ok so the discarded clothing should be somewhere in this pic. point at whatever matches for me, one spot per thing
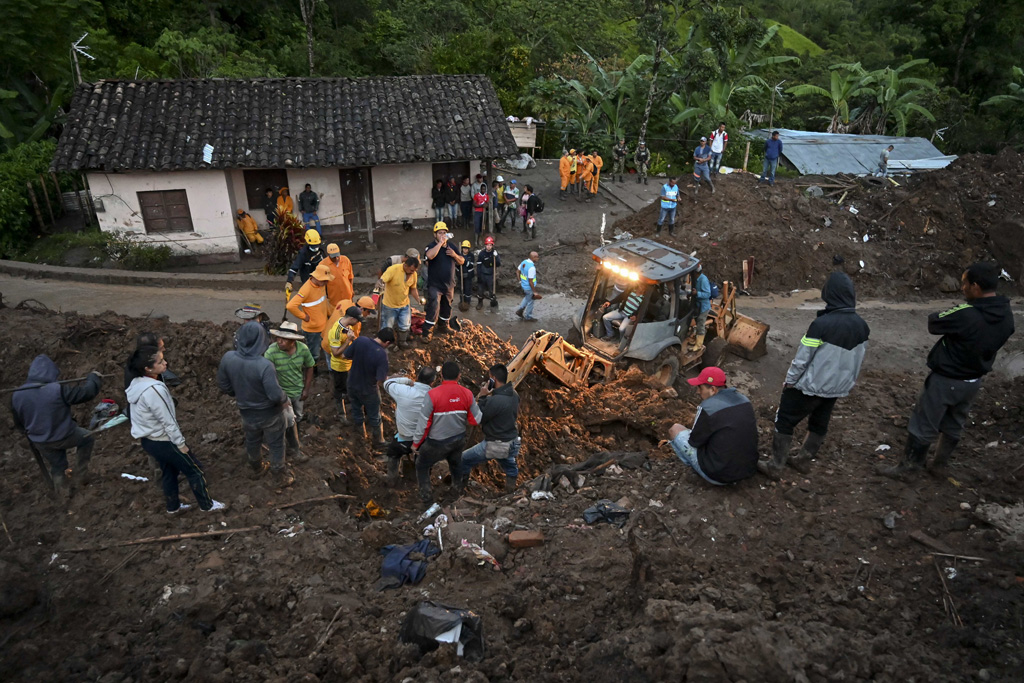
(398, 569)
(606, 511)
(431, 623)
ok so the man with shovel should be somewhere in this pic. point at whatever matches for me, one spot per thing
(42, 410)
(487, 264)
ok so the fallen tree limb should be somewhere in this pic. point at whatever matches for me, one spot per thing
(322, 499)
(161, 539)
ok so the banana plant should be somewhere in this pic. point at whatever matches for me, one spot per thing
(1014, 97)
(27, 117)
(603, 102)
(895, 97)
(846, 82)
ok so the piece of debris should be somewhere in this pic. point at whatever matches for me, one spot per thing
(133, 477)
(431, 623)
(542, 495)
(525, 539)
(606, 511)
(889, 520)
(883, 447)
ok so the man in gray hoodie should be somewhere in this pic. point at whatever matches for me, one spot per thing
(252, 380)
(824, 370)
(42, 410)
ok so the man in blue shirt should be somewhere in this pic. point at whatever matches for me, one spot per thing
(441, 258)
(528, 281)
(669, 199)
(772, 152)
(702, 294)
(701, 169)
(369, 370)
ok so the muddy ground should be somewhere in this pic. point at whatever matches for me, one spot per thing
(795, 581)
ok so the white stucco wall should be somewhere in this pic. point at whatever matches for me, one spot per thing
(209, 203)
(325, 181)
(401, 191)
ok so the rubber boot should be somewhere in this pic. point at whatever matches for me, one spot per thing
(638, 180)
(562, 195)
(61, 489)
(510, 483)
(621, 180)
(657, 228)
(426, 494)
(479, 303)
(672, 229)
(393, 464)
(801, 462)
(943, 450)
(645, 181)
(379, 444)
(282, 477)
(80, 475)
(712, 186)
(402, 339)
(781, 444)
(441, 327)
(914, 455)
(698, 343)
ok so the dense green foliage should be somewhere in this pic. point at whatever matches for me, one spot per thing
(591, 68)
(18, 167)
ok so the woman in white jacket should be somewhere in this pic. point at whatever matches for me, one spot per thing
(154, 422)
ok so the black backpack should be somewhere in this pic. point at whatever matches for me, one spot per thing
(538, 203)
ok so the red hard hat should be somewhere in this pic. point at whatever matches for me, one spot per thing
(488, 240)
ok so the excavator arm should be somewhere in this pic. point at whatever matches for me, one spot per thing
(549, 352)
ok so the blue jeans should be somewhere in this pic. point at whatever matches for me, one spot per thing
(396, 318)
(365, 401)
(768, 169)
(453, 214)
(313, 340)
(688, 454)
(475, 456)
(438, 214)
(312, 220)
(527, 303)
(701, 171)
(172, 461)
(716, 161)
(670, 214)
(478, 222)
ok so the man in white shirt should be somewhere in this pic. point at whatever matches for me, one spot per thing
(719, 141)
(408, 397)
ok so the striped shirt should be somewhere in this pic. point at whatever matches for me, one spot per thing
(290, 367)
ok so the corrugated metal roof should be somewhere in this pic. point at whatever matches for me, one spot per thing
(831, 153)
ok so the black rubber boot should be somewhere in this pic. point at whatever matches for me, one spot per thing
(479, 304)
(638, 180)
(393, 464)
(645, 181)
(914, 455)
(510, 483)
(781, 444)
(944, 448)
(801, 462)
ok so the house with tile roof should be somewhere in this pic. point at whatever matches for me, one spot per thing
(171, 161)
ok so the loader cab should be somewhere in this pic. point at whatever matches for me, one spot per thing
(646, 269)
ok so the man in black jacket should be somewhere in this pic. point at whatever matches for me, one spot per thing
(722, 446)
(499, 403)
(825, 369)
(42, 410)
(972, 334)
(309, 206)
(306, 261)
(270, 207)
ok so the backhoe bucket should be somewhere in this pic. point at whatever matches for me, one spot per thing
(748, 338)
(569, 365)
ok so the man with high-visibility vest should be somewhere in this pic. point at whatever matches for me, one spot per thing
(528, 281)
(311, 307)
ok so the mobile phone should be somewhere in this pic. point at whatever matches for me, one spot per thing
(490, 384)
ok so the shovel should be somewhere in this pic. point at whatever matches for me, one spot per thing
(463, 304)
(494, 281)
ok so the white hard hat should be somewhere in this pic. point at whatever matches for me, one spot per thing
(500, 179)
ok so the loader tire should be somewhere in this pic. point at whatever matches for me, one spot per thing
(665, 367)
(574, 337)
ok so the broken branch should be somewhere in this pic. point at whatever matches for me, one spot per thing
(336, 496)
(161, 539)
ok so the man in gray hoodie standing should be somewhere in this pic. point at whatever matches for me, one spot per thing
(252, 380)
(825, 369)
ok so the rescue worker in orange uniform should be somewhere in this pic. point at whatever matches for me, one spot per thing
(564, 171)
(248, 226)
(340, 288)
(285, 204)
(586, 174)
(598, 162)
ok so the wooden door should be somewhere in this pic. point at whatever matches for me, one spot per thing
(357, 197)
(165, 211)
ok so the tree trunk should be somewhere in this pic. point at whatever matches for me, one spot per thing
(308, 9)
(655, 66)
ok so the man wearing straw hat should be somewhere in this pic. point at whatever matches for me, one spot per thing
(294, 365)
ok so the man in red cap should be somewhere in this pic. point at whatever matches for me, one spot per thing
(722, 446)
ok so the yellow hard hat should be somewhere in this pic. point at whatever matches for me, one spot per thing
(333, 249)
(366, 302)
(440, 225)
(466, 244)
(312, 237)
(572, 151)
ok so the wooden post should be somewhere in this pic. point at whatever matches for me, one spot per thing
(35, 204)
(46, 196)
(60, 198)
(81, 203)
(746, 157)
(368, 203)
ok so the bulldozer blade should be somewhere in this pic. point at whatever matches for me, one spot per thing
(569, 365)
(748, 338)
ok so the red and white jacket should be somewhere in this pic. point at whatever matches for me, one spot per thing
(447, 412)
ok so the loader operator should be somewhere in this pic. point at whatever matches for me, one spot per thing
(622, 306)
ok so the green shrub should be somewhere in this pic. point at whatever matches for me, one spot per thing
(134, 254)
(18, 166)
(96, 249)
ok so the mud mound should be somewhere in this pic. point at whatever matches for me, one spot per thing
(920, 235)
(798, 580)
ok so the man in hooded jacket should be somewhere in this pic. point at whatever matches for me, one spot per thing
(972, 334)
(42, 409)
(252, 380)
(824, 370)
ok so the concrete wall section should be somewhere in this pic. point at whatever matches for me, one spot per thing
(402, 191)
(325, 181)
(209, 204)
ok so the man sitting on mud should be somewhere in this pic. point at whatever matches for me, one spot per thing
(441, 430)
(972, 334)
(722, 446)
(825, 369)
(409, 397)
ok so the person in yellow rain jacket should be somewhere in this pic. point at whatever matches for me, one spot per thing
(598, 162)
(285, 204)
(311, 307)
(248, 226)
(340, 288)
(586, 174)
(564, 165)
